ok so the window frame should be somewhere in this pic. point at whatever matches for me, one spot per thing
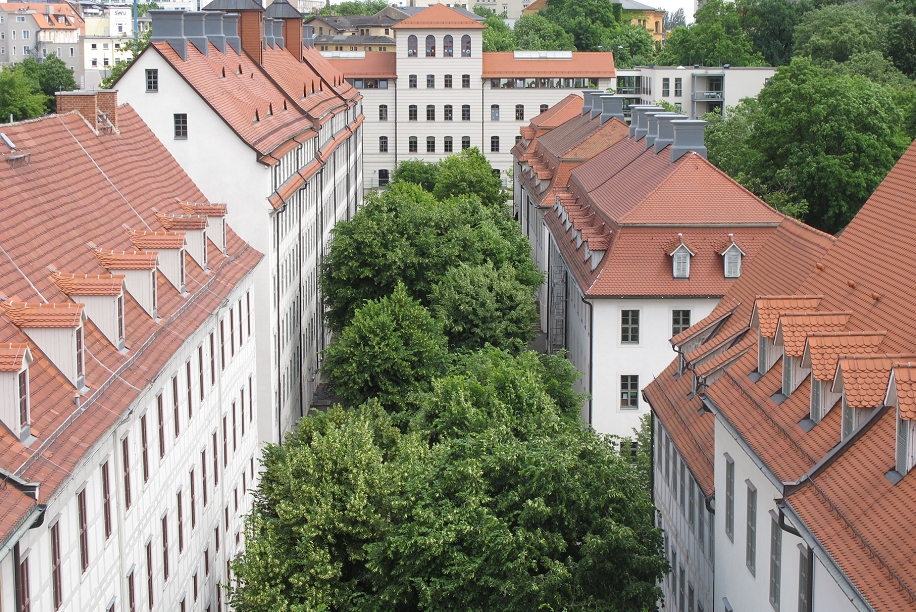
(494, 112)
(629, 326)
(629, 385)
(775, 562)
(730, 498)
(494, 144)
(152, 80)
(519, 112)
(680, 321)
(430, 112)
(412, 144)
(180, 125)
(750, 548)
(383, 112)
(382, 144)
(430, 144)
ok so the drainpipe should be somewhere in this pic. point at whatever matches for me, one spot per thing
(279, 350)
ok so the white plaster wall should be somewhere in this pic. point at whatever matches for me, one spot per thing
(828, 596)
(59, 346)
(612, 358)
(103, 312)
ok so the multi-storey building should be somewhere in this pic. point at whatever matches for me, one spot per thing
(791, 407)
(128, 385)
(636, 242)
(447, 95)
(108, 29)
(695, 90)
(260, 120)
(39, 29)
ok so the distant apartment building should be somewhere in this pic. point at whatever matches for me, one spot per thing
(39, 29)
(694, 90)
(128, 386)
(108, 29)
(260, 120)
(439, 93)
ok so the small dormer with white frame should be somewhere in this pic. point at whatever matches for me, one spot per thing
(732, 257)
(216, 220)
(103, 298)
(680, 259)
(139, 269)
(58, 330)
(792, 331)
(15, 400)
(765, 317)
(195, 234)
(171, 248)
(901, 396)
(821, 355)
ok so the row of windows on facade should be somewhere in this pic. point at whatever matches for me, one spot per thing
(26, 35)
(448, 144)
(545, 83)
(352, 48)
(104, 46)
(27, 50)
(447, 46)
(681, 256)
(238, 417)
(431, 81)
(448, 112)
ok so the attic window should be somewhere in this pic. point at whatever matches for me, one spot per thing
(732, 260)
(80, 369)
(680, 259)
(848, 418)
(256, 117)
(239, 71)
(223, 73)
(787, 387)
(270, 110)
(24, 407)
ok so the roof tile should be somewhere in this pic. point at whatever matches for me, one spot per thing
(39, 315)
(89, 284)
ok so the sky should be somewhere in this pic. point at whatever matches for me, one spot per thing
(673, 5)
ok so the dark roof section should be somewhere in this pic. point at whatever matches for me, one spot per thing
(233, 5)
(281, 9)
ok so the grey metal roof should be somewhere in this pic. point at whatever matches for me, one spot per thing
(632, 5)
(353, 40)
(413, 10)
(233, 6)
(281, 9)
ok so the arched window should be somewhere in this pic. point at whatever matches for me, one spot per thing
(465, 142)
(411, 46)
(430, 46)
(466, 46)
(447, 46)
(412, 112)
(383, 112)
(412, 144)
(544, 108)
(448, 144)
(382, 144)
(494, 144)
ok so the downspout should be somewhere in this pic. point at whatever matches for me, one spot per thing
(395, 128)
(279, 339)
(299, 308)
(591, 356)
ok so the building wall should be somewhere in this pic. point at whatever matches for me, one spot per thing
(113, 558)
(613, 358)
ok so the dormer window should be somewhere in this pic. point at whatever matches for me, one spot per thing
(787, 387)
(762, 357)
(121, 333)
(15, 406)
(849, 419)
(815, 408)
(103, 298)
(80, 372)
(680, 261)
(732, 259)
(24, 416)
(904, 454)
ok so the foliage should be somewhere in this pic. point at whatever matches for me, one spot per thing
(589, 21)
(478, 304)
(715, 39)
(354, 7)
(668, 106)
(498, 36)
(136, 47)
(537, 33)
(632, 45)
(469, 173)
(392, 347)
(770, 25)
(900, 44)
(838, 32)
(51, 74)
(20, 95)
(417, 171)
(674, 20)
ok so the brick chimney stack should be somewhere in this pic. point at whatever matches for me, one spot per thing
(91, 104)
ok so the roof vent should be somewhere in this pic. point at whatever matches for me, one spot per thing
(642, 121)
(308, 36)
(612, 107)
(168, 26)
(688, 136)
(278, 33)
(213, 28)
(586, 101)
(231, 31)
(268, 33)
(635, 111)
(665, 130)
(194, 31)
(652, 120)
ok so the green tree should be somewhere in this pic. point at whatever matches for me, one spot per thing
(632, 45)
(354, 7)
(136, 47)
(900, 43)
(498, 36)
(838, 32)
(537, 33)
(675, 20)
(729, 137)
(715, 39)
(52, 75)
(20, 96)
(391, 348)
(469, 173)
(590, 22)
(478, 304)
(417, 171)
(770, 24)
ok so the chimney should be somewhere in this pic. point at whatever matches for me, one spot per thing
(666, 130)
(231, 31)
(251, 31)
(278, 33)
(308, 36)
(586, 101)
(213, 28)
(106, 101)
(268, 33)
(168, 26)
(642, 123)
(292, 27)
(635, 110)
(688, 136)
(652, 130)
(91, 104)
(612, 106)
(194, 30)
(597, 104)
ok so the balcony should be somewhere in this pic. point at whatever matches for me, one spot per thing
(708, 96)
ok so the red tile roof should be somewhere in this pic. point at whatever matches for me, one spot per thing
(203, 208)
(89, 284)
(583, 64)
(11, 355)
(376, 65)
(794, 328)
(559, 113)
(40, 315)
(768, 309)
(182, 222)
(438, 17)
(905, 381)
(864, 377)
(126, 260)
(158, 240)
(823, 350)
(54, 203)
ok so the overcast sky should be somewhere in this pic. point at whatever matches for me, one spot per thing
(673, 5)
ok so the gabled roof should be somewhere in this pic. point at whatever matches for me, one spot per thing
(904, 381)
(126, 260)
(89, 284)
(765, 315)
(439, 17)
(160, 240)
(182, 222)
(12, 355)
(793, 329)
(823, 350)
(376, 64)
(203, 208)
(504, 64)
(279, 9)
(559, 113)
(42, 315)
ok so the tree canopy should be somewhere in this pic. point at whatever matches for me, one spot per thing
(20, 96)
(537, 33)
(354, 7)
(51, 75)
(716, 38)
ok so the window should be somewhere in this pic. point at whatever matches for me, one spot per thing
(680, 320)
(187, 368)
(494, 144)
(203, 474)
(165, 547)
(848, 419)
(232, 331)
(430, 144)
(465, 112)
(175, 412)
(23, 380)
(804, 580)
(412, 112)
(730, 498)
(465, 142)
(212, 359)
(465, 46)
(815, 412)
(382, 144)
(762, 359)
(629, 391)
(125, 467)
(57, 586)
(691, 597)
(519, 112)
(544, 107)
(680, 261)
(194, 584)
(678, 90)
(383, 178)
(383, 112)
(701, 516)
(447, 111)
(667, 458)
(629, 326)
(751, 548)
(144, 448)
(242, 410)
(225, 441)
(84, 529)
(200, 369)
(682, 583)
(222, 344)
(412, 81)
(24, 591)
(466, 81)
(666, 87)
(149, 574)
(430, 46)
(106, 499)
(412, 46)
(215, 462)
(180, 511)
(247, 313)
(430, 112)
(447, 144)
(193, 500)
(152, 79)
(691, 504)
(234, 430)
(683, 484)
(775, 561)
(786, 375)
(903, 435)
(79, 353)
(494, 112)
(448, 77)
(447, 51)
(181, 125)
(733, 262)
